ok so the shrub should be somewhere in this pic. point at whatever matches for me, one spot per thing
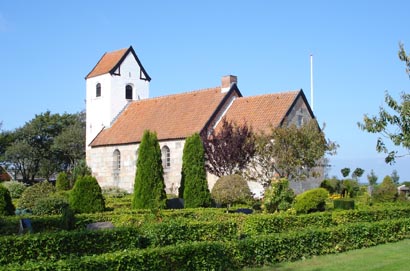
(350, 188)
(311, 201)
(278, 197)
(331, 185)
(386, 192)
(86, 196)
(62, 182)
(194, 186)
(80, 170)
(231, 189)
(33, 193)
(15, 188)
(52, 205)
(6, 206)
(149, 186)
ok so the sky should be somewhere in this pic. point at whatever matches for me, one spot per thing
(48, 47)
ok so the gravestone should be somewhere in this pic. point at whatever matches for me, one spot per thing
(100, 226)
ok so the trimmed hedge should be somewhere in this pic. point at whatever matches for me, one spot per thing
(256, 251)
(64, 245)
(344, 204)
(247, 224)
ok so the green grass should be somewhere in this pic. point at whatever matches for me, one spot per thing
(386, 257)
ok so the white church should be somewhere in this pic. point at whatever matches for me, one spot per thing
(119, 110)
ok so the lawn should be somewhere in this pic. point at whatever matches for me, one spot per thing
(386, 257)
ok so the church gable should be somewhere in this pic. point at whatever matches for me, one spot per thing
(111, 63)
(264, 112)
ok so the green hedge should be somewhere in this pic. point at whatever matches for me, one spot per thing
(247, 224)
(255, 251)
(177, 232)
(61, 245)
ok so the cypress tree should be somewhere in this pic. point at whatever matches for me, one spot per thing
(194, 186)
(149, 186)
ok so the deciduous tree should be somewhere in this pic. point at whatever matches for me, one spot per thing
(372, 178)
(290, 152)
(393, 123)
(228, 150)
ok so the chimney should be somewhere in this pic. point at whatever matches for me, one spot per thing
(227, 81)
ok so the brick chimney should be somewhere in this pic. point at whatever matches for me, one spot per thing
(227, 80)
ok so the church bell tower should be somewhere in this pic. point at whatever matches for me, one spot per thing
(116, 80)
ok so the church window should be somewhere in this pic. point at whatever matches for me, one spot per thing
(116, 161)
(128, 92)
(98, 90)
(166, 157)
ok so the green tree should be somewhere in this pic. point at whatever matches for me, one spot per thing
(386, 192)
(357, 173)
(292, 152)
(69, 144)
(31, 149)
(393, 124)
(149, 186)
(194, 186)
(278, 197)
(372, 178)
(86, 196)
(395, 177)
(345, 172)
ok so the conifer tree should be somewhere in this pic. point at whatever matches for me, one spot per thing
(194, 186)
(149, 186)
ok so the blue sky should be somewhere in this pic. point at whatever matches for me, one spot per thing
(48, 47)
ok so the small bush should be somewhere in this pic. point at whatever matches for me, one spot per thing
(62, 182)
(6, 206)
(311, 201)
(33, 193)
(278, 197)
(86, 196)
(52, 205)
(15, 188)
(231, 189)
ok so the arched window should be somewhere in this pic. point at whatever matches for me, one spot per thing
(128, 92)
(116, 161)
(98, 90)
(166, 157)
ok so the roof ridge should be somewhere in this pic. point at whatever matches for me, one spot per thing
(179, 94)
(271, 94)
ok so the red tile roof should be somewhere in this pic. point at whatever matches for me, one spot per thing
(172, 117)
(262, 112)
(107, 62)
